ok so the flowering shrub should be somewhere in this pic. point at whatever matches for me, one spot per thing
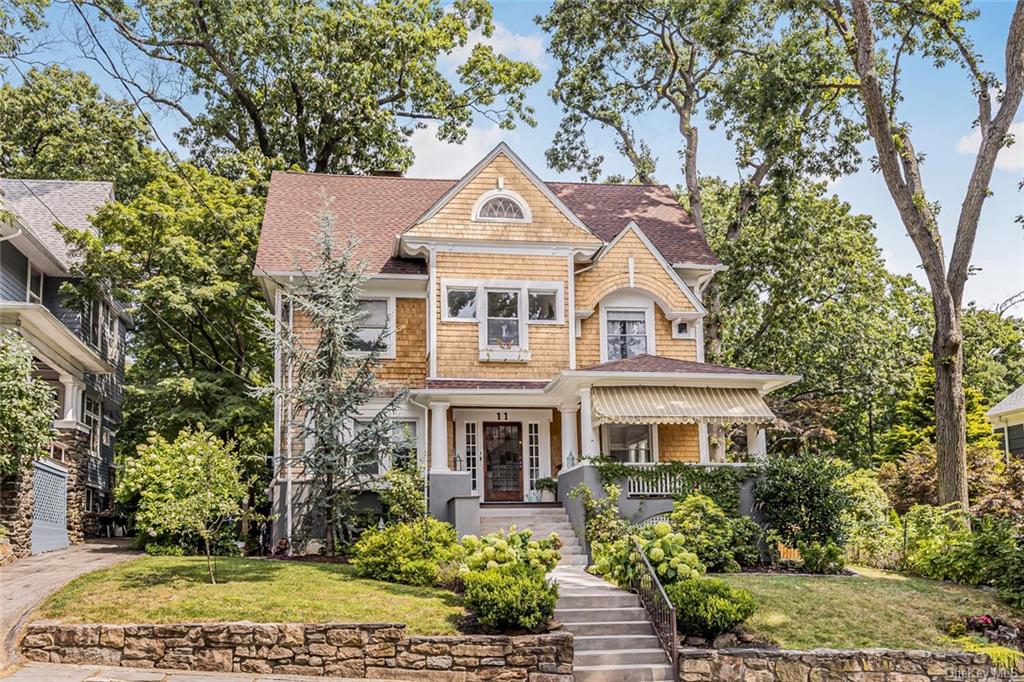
(516, 548)
(666, 551)
(602, 523)
(723, 543)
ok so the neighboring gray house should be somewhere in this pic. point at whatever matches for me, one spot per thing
(79, 351)
(1007, 419)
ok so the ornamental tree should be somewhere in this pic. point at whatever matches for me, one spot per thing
(339, 450)
(188, 486)
(26, 405)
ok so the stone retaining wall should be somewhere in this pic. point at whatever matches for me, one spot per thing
(829, 665)
(346, 650)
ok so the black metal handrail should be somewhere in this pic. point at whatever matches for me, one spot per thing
(658, 606)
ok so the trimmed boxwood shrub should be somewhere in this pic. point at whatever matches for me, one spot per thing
(407, 553)
(709, 606)
(511, 597)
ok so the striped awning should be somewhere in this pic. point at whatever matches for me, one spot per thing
(678, 405)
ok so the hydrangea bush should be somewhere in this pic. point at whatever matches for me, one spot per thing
(517, 547)
(620, 563)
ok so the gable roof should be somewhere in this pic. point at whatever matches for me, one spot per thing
(1011, 403)
(375, 210)
(41, 203)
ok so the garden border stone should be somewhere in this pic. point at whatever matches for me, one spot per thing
(370, 650)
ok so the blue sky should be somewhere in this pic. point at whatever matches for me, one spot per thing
(938, 104)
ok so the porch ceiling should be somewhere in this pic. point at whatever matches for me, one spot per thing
(678, 405)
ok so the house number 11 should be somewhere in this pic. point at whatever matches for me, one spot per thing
(501, 417)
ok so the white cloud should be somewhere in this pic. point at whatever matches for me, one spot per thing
(437, 159)
(529, 48)
(1010, 159)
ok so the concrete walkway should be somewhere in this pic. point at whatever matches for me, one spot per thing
(25, 583)
(49, 672)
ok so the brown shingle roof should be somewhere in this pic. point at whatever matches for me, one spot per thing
(375, 209)
(656, 363)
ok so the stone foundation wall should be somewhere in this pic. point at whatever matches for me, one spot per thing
(828, 665)
(77, 444)
(16, 512)
(346, 650)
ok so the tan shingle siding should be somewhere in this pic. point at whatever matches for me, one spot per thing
(454, 219)
(612, 272)
(678, 443)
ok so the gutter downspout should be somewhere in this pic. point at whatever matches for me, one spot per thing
(426, 455)
(1006, 440)
(17, 233)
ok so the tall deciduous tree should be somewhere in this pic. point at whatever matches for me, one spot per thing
(180, 256)
(58, 124)
(876, 35)
(769, 77)
(331, 367)
(17, 17)
(334, 86)
(807, 292)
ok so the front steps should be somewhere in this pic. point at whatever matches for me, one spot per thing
(542, 519)
(614, 640)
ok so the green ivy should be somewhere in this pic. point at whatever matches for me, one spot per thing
(721, 484)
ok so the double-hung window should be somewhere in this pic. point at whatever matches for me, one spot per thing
(626, 333)
(92, 414)
(543, 306)
(34, 285)
(503, 319)
(373, 333)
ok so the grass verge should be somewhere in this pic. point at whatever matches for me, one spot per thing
(177, 590)
(872, 609)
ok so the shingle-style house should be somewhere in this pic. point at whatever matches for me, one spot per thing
(79, 352)
(1007, 417)
(532, 322)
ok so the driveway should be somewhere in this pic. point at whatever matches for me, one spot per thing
(25, 583)
(48, 672)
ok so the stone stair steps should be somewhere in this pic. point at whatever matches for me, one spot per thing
(655, 656)
(568, 600)
(623, 673)
(603, 614)
(622, 628)
(613, 642)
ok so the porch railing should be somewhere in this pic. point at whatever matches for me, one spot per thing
(658, 606)
(665, 484)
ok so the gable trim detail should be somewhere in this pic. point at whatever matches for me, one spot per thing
(632, 226)
(503, 148)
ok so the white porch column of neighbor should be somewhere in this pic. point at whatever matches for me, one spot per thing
(72, 406)
(568, 412)
(588, 434)
(757, 445)
(439, 436)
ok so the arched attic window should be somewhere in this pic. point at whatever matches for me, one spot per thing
(504, 206)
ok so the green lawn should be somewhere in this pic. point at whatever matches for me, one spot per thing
(176, 590)
(873, 609)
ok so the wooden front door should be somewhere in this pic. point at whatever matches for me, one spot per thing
(503, 455)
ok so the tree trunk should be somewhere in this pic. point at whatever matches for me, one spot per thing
(209, 561)
(950, 422)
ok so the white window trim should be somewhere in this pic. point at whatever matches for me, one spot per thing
(691, 326)
(389, 351)
(523, 288)
(648, 309)
(28, 284)
(543, 417)
(505, 194)
(655, 449)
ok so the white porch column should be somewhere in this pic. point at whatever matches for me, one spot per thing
(569, 440)
(757, 446)
(703, 444)
(72, 407)
(439, 436)
(588, 434)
